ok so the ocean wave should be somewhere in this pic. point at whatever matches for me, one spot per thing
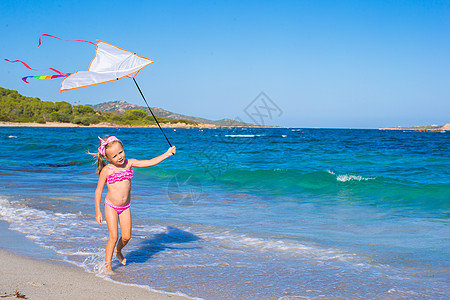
(288, 181)
(230, 239)
(350, 177)
(48, 229)
(316, 185)
(288, 247)
(277, 182)
(213, 236)
(242, 135)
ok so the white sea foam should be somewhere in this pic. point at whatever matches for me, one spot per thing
(95, 262)
(349, 177)
(12, 137)
(153, 229)
(82, 252)
(67, 214)
(242, 135)
(60, 232)
(236, 240)
(47, 228)
(400, 294)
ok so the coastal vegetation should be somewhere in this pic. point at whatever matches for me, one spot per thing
(15, 107)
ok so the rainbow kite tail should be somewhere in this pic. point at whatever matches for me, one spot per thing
(44, 77)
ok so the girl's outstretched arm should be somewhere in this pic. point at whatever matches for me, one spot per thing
(154, 161)
(98, 195)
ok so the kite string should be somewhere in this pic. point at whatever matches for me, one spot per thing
(152, 112)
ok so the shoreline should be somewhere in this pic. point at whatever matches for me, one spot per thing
(428, 128)
(111, 125)
(38, 273)
(37, 279)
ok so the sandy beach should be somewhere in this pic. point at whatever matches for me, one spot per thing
(45, 280)
(104, 125)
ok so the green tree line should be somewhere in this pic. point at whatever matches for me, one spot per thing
(17, 108)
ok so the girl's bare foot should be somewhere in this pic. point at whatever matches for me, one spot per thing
(108, 269)
(120, 257)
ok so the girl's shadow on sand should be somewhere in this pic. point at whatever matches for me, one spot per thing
(159, 243)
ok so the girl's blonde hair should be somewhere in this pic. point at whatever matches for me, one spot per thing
(100, 158)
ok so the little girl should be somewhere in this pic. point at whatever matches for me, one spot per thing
(117, 175)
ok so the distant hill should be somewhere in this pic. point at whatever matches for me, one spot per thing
(16, 108)
(122, 106)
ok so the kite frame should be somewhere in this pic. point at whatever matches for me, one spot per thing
(135, 73)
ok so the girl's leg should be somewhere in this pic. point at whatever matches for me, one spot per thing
(125, 227)
(112, 218)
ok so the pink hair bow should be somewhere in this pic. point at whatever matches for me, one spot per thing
(103, 144)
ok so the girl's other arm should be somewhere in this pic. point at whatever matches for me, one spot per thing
(154, 161)
(98, 195)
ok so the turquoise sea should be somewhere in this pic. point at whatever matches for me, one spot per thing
(247, 213)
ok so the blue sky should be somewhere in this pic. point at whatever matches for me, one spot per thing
(343, 64)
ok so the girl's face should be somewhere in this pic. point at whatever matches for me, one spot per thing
(115, 154)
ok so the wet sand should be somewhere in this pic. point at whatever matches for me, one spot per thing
(37, 279)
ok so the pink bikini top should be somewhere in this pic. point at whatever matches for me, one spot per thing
(119, 176)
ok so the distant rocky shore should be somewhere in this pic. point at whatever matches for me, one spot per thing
(428, 128)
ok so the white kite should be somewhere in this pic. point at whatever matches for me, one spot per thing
(110, 63)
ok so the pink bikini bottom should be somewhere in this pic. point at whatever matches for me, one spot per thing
(118, 209)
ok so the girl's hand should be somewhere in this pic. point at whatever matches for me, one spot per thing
(99, 218)
(172, 150)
